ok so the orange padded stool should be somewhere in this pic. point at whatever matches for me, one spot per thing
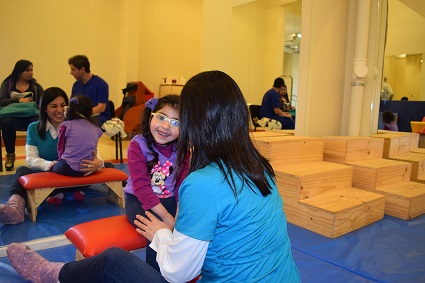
(40, 185)
(93, 237)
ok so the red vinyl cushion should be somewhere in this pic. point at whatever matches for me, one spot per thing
(53, 180)
(93, 237)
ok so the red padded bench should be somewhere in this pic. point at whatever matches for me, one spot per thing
(40, 185)
(93, 237)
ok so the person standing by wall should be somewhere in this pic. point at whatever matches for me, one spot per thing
(387, 91)
(19, 87)
(90, 85)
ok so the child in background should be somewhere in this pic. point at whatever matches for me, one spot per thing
(152, 163)
(77, 140)
(388, 118)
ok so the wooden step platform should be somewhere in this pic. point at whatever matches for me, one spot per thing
(396, 144)
(268, 134)
(369, 174)
(290, 149)
(418, 164)
(337, 212)
(405, 201)
(318, 196)
(346, 149)
(390, 177)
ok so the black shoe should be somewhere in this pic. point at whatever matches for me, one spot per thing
(10, 161)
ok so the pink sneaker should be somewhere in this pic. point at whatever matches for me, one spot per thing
(56, 200)
(79, 196)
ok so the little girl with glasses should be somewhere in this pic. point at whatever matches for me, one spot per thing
(152, 163)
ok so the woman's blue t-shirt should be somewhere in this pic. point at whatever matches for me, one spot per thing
(248, 236)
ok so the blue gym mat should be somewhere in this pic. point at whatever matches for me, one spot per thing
(390, 250)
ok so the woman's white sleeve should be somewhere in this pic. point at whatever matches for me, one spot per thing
(180, 257)
(34, 160)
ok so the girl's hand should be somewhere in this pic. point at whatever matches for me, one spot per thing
(149, 226)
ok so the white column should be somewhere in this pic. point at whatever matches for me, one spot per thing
(360, 69)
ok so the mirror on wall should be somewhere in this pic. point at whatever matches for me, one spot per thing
(292, 49)
(403, 62)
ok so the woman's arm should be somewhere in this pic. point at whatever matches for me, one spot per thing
(91, 166)
(5, 95)
(34, 160)
(180, 257)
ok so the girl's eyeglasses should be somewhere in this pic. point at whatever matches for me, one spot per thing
(162, 118)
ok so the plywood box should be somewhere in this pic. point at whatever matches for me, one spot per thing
(394, 144)
(290, 149)
(313, 178)
(369, 174)
(263, 134)
(414, 137)
(343, 149)
(337, 212)
(404, 201)
(418, 164)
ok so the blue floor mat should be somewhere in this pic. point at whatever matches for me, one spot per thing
(390, 250)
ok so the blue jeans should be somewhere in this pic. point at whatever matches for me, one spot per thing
(15, 186)
(63, 168)
(133, 207)
(113, 265)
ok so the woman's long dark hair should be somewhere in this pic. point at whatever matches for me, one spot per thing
(20, 67)
(172, 101)
(214, 127)
(47, 97)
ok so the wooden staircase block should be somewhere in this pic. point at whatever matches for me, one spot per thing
(369, 174)
(337, 212)
(290, 149)
(404, 201)
(263, 134)
(312, 178)
(346, 149)
(395, 144)
(318, 196)
(418, 164)
(414, 137)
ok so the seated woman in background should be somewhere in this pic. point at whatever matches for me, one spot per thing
(388, 118)
(19, 87)
(41, 153)
(286, 103)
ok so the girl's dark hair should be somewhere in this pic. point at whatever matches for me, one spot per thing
(388, 116)
(80, 107)
(214, 127)
(171, 100)
(47, 97)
